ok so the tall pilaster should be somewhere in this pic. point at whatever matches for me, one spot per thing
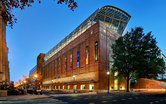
(4, 63)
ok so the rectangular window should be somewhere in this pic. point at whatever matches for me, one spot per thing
(78, 56)
(87, 54)
(91, 87)
(68, 87)
(82, 87)
(59, 87)
(110, 51)
(65, 63)
(71, 60)
(63, 87)
(71, 57)
(75, 87)
(96, 50)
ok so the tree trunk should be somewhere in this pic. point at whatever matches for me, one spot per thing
(128, 82)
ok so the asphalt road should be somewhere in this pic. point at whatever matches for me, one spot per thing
(116, 98)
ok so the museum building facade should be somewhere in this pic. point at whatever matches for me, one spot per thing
(80, 62)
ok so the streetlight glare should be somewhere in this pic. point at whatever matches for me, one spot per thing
(35, 75)
(108, 73)
(25, 81)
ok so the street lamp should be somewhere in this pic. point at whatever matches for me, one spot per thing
(35, 81)
(52, 85)
(24, 83)
(73, 83)
(108, 76)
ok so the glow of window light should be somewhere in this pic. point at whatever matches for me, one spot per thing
(25, 81)
(74, 76)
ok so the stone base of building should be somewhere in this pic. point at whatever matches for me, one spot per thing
(3, 93)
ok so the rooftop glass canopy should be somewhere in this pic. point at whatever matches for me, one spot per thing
(113, 17)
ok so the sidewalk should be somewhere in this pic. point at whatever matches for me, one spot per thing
(30, 99)
(23, 97)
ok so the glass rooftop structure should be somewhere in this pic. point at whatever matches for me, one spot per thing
(113, 17)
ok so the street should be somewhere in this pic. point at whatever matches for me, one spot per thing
(116, 98)
(112, 98)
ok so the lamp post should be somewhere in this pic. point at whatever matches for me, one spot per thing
(52, 85)
(73, 83)
(108, 76)
(35, 81)
(24, 83)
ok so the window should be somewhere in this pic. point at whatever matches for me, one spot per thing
(55, 62)
(82, 87)
(87, 54)
(68, 87)
(59, 87)
(110, 51)
(71, 57)
(71, 66)
(55, 69)
(65, 63)
(91, 87)
(59, 67)
(55, 87)
(55, 73)
(59, 72)
(63, 87)
(75, 87)
(78, 56)
(96, 50)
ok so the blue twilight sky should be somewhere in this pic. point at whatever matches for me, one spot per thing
(42, 26)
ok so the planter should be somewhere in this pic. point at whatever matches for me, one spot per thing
(3, 93)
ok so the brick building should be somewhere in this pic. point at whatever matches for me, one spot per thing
(80, 61)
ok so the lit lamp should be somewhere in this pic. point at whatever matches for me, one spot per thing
(35, 75)
(24, 83)
(35, 81)
(108, 76)
(73, 83)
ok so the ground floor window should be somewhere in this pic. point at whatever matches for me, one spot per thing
(68, 87)
(55, 87)
(91, 87)
(59, 87)
(75, 87)
(82, 87)
(63, 87)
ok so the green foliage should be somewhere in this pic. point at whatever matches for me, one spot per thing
(137, 55)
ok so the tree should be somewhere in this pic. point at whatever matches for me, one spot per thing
(7, 7)
(136, 54)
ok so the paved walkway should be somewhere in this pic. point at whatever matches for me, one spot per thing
(30, 99)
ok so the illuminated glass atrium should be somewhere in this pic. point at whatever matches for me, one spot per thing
(113, 17)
